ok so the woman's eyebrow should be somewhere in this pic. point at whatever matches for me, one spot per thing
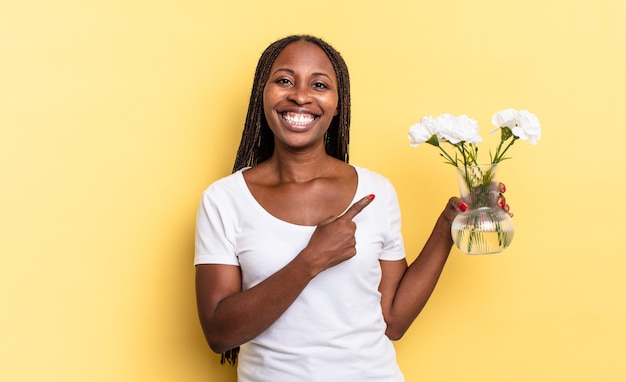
(291, 71)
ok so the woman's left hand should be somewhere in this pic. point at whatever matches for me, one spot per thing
(454, 207)
(457, 205)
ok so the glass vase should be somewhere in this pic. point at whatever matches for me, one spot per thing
(484, 228)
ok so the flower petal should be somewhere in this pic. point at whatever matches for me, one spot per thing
(458, 129)
(422, 132)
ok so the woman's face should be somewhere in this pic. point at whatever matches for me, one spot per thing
(300, 97)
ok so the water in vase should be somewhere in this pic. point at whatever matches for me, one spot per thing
(475, 242)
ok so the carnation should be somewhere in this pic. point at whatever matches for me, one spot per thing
(422, 131)
(458, 129)
(461, 133)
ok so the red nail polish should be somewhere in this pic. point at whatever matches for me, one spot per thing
(463, 207)
(371, 196)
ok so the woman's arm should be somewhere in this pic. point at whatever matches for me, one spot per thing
(230, 316)
(405, 290)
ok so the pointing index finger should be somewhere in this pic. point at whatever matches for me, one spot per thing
(357, 207)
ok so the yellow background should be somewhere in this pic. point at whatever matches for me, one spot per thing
(115, 115)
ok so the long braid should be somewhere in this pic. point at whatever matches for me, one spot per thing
(257, 140)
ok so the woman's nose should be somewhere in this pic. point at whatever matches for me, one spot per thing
(300, 94)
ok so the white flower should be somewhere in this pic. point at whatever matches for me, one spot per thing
(462, 134)
(528, 127)
(523, 124)
(505, 118)
(458, 129)
(422, 131)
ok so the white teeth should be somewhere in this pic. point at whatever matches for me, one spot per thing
(298, 119)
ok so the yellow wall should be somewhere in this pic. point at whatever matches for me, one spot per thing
(115, 115)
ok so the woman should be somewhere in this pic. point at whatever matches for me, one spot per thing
(299, 255)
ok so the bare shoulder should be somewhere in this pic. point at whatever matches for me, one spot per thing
(259, 174)
(345, 170)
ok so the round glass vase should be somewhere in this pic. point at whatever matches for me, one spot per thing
(484, 228)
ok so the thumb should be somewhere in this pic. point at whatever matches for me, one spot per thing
(357, 207)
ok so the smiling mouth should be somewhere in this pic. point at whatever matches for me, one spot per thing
(298, 119)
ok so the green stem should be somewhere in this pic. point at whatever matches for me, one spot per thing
(448, 157)
(498, 157)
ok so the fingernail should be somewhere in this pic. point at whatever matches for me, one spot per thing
(463, 207)
(501, 202)
(371, 196)
(502, 187)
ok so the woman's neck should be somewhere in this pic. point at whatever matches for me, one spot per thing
(301, 167)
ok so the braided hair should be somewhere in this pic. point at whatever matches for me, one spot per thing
(257, 140)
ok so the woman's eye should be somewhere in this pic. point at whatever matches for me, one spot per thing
(283, 81)
(319, 85)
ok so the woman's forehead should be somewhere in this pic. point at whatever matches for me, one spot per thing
(304, 55)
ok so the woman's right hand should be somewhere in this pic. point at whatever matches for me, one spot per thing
(333, 240)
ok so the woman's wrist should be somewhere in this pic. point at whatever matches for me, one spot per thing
(443, 228)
